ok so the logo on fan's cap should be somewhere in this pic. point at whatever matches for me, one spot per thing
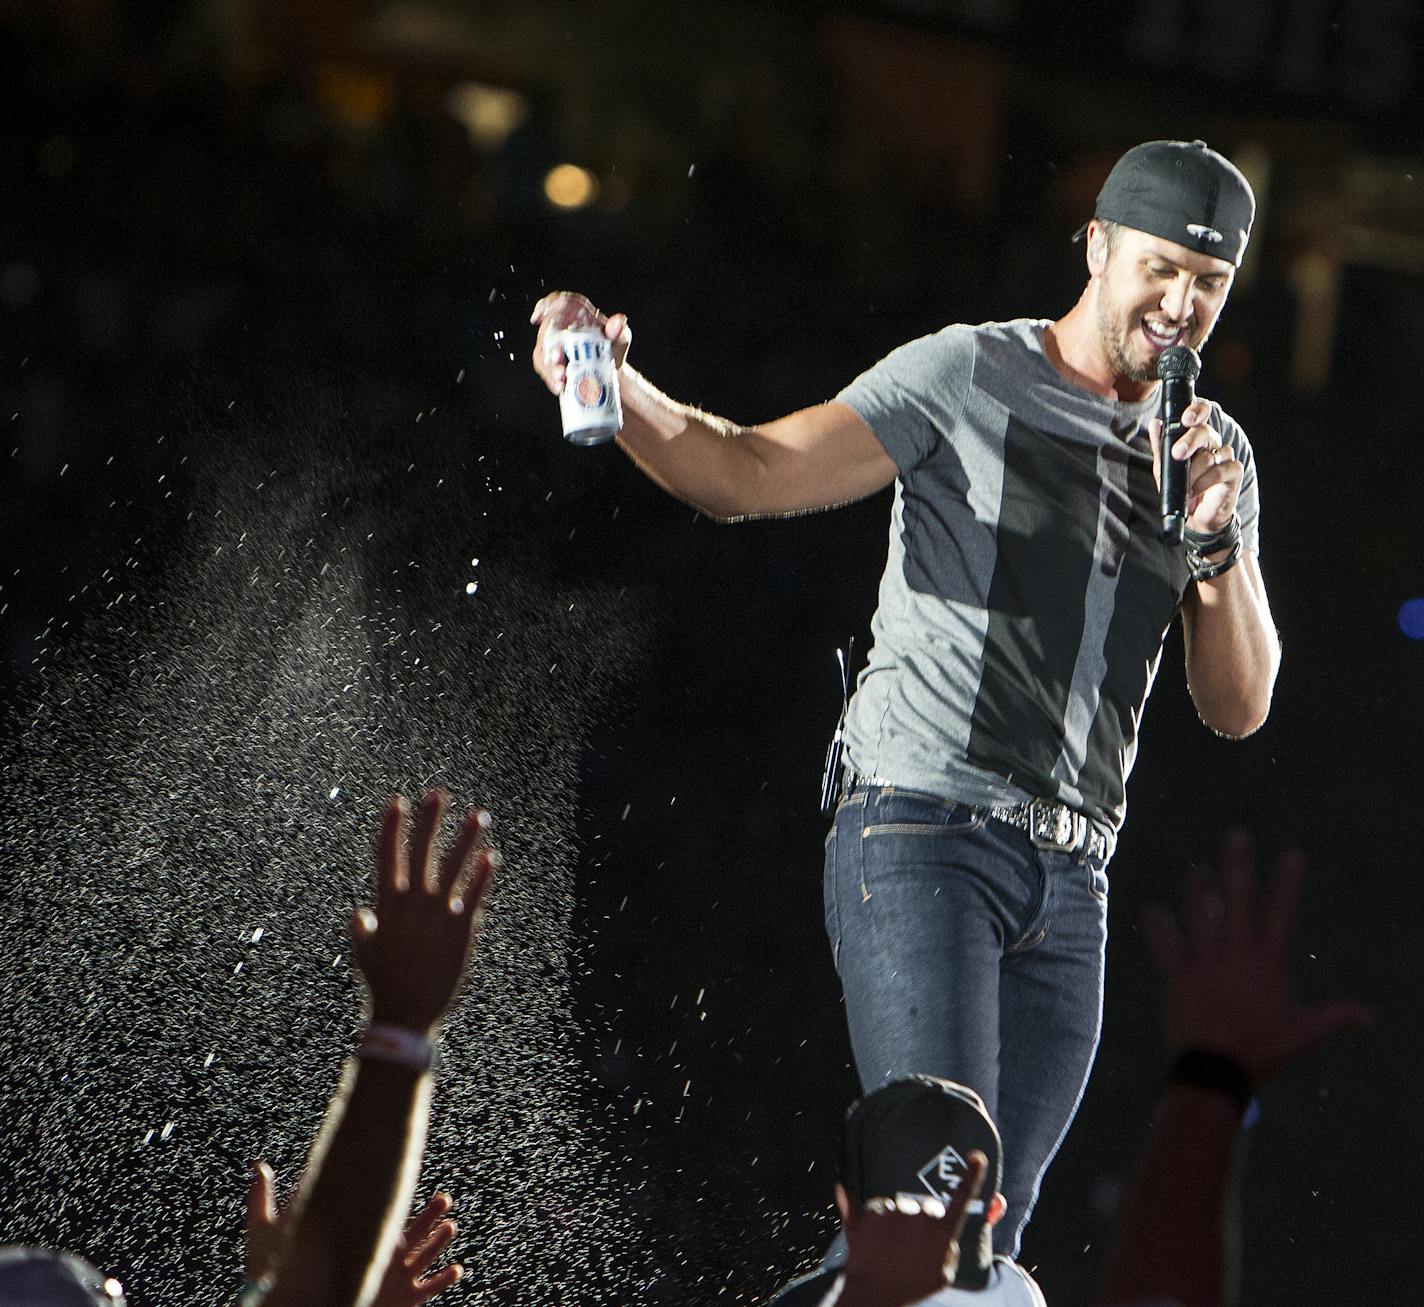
(1205, 233)
(942, 1175)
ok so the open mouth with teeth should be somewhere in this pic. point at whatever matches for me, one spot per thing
(1161, 335)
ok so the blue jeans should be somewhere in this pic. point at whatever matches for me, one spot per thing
(966, 952)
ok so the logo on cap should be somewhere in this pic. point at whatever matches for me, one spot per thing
(1205, 233)
(942, 1174)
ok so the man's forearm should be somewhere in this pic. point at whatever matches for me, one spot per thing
(359, 1181)
(818, 457)
(706, 461)
(1232, 651)
(1169, 1243)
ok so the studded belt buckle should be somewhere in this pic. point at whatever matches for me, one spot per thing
(1053, 825)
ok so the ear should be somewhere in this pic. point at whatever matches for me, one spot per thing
(994, 1212)
(1097, 251)
(844, 1206)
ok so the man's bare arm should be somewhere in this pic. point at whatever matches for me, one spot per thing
(1228, 997)
(816, 458)
(1232, 651)
(412, 953)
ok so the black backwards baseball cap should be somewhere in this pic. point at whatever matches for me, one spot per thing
(1182, 191)
(912, 1138)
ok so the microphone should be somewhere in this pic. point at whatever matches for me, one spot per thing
(1178, 369)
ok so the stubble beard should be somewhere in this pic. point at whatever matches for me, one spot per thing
(1118, 330)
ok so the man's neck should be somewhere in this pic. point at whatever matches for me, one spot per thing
(1074, 347)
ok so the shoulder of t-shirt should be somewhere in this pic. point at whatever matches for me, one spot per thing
(950, 341)
(1017, 1284)
(956, 354)
(965, 337)
(1025, 332)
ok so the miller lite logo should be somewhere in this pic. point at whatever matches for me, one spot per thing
(589, 390)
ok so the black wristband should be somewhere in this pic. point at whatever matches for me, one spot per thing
(1200, 544)
(1201, 570)
(1208, 542)
(1200, 1068)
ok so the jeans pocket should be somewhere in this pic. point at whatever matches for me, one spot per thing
(908, 844)
(828, 894)
(908, 812)
(1097, 881)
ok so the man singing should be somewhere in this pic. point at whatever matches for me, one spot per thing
(1020, 625)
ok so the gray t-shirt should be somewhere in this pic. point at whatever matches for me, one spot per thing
(1026, 594)
(1009, 1286)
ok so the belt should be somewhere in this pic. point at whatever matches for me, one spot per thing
(1048, 823)
(1053, 825)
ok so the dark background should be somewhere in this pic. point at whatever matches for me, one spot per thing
(258, 255)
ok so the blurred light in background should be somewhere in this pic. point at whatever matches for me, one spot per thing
(356, 97)
(489, 113)
(570, 187)
(1411, 618)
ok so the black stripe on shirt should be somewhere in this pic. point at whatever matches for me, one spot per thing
(1149, 592)
(1048, 519)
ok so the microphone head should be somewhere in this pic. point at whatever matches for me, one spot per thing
(1180, 363)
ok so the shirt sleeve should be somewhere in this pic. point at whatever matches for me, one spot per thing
(913, 398)
(1248, 506)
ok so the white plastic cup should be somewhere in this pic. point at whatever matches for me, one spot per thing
(591, 408)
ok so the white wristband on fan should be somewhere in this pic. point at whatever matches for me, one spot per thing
(385, 1043)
